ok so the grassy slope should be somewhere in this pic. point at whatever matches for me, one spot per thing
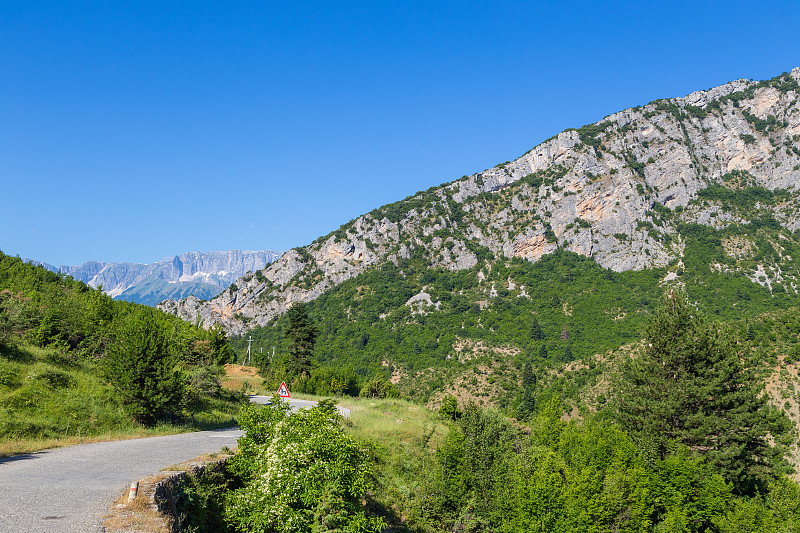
(48, 400)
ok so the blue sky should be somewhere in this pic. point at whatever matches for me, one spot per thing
(132, 131)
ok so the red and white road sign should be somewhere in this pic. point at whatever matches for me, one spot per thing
(283, 392)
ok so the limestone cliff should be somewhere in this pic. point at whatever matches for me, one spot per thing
(616, 191)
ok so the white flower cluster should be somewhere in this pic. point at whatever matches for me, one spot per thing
(310, 476)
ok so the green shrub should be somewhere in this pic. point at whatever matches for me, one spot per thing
(143, 370)
(305, 474)
(9, 376)
(52, 378)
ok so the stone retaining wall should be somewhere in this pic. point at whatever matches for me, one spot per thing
(154, 509)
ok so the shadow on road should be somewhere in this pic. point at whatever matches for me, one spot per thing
(21, 457)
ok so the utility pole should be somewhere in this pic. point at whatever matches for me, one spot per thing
(249, 342)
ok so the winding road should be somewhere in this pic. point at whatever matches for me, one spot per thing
(72, 488)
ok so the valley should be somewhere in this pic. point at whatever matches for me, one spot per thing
(601, 334)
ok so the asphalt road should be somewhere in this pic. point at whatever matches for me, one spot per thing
(297, 404)
(71, 489)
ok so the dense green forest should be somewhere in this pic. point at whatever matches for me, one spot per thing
(76, 363)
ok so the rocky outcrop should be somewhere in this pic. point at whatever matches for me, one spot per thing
(600, 191)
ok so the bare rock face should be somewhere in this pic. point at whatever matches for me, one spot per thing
(597, 191)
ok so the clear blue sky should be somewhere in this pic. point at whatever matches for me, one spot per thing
(131, 131)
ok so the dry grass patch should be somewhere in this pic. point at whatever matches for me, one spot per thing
(9, 447)
(239, 377)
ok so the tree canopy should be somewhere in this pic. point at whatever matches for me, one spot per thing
(302, 333)
(691, 385)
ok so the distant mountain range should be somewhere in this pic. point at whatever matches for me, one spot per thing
(200, 274)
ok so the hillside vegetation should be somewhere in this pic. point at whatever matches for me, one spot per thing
(471, 332)
(409, 469)
(76, 365)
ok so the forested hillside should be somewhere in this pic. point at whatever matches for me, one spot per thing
(74, 363)
(609, 325)
(470, 333)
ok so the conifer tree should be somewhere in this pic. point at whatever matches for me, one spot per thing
(536, 330)
(528, 405)
(142, 368)
(690, 386)
(302, 334)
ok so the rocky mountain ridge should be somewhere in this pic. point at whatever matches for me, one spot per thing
(618, 191)
(203, 274)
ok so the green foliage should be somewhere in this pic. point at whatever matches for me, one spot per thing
(397, 211)
(329, 381)
(472, 470)
(527, 406)
(301, 332)
(582, 223)
(696, 112)
(689, 386)
(379, 387)
(777, 511)
(763, 125)
(589, 134)
(200, 499)
(142, 367)
(590, 476)
(743, 199)
(637, 167)
(258, 424)
(536, 330)
(689, 493)
(305, 475)
(747, 138)
(365, 322)
(449, 408)
(561, 477)
(77, 333)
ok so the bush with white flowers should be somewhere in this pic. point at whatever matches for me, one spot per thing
(303, 474)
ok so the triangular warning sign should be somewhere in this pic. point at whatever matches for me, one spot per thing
(283, 392)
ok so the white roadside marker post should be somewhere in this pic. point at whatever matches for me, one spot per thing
(132, 492)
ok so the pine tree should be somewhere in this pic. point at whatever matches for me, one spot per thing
(141, 366)
(536, 330)
(568, 354)
(690, 386)
(302, 334)
(528, 405)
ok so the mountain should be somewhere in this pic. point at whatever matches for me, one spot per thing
(709, 179)
(199, 274)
